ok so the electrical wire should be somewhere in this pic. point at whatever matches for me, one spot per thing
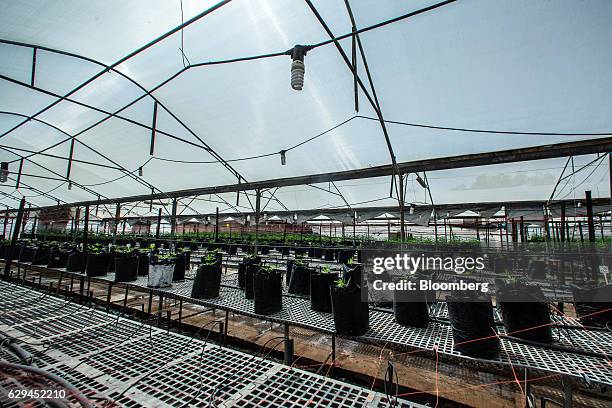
(502, 132)
(295, 146)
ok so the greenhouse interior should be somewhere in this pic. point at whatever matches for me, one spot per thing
(326, 203)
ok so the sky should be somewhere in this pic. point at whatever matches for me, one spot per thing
(539, 66)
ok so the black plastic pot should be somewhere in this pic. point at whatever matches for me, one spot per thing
(41, 256)
(351, 315)
(248, 276)
(75, 263)
(126, 269)
(267, 291)
(537, 269)
(344, 255)
(352, 274)
(320, 296)
(288, 273)
(242, 267)
(179, 267)
(473, 326)
(97, 264)
(299, 283)
(330, 254)
(27, 253)
(57, 258)
(207, 281)
(524, 307)
(410, 308)
(143, 264)
(594, 305)
(264, 250)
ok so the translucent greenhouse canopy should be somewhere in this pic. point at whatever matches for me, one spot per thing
(520, 66)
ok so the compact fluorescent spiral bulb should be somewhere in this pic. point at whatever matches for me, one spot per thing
(297, 74)
(297, 67)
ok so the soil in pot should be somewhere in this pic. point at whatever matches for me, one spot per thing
(471, 319)
(524, 307)
(126, 269)
(143, 264)
(97, 264)
(41, 256)
(410, 308)
(594, 305)
(57, 258)
(351, 315)
(74, 263)
(207, 281)
(299, 283)
(267, 291)
(320, 295)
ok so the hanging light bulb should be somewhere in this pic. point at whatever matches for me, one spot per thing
(298, 68)
(421, 181)
(69, 185)
(140, 171)
(283, 157)
(4, 172)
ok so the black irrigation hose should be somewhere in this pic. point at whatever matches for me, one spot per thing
(52, 377)
(25, 357)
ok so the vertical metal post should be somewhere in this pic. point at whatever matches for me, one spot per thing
(562, 222)
(225, 327)
(6, 218)
(401, 208)
(217, 225)
(568, 397)
(333, 353)
(116, 224)
(589, 204)
(173, 218)
(288, 353)
(257, 210)
(9, 255)
(158, 225)
(34, 227)
(522, 226)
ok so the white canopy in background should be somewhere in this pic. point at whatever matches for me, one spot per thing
(486, 64)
